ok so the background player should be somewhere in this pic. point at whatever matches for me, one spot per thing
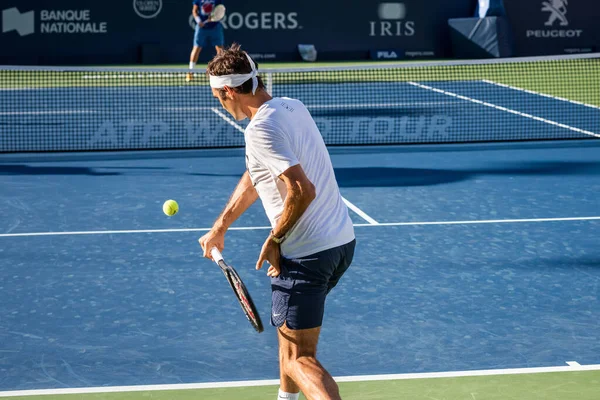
(206, 31)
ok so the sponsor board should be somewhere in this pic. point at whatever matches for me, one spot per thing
(392, 21)
(390, 54)
(147, 9)
(266, 21)
(555, 14)
(51, 21)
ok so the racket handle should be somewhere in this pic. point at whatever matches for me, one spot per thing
(216, 254)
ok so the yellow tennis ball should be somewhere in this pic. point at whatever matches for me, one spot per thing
(170, 207)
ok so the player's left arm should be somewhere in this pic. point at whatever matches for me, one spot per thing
(273, 149)
(300, 193)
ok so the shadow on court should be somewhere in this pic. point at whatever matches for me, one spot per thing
(390, 177)
(28, 170)
(22, 169)
(346, 177)
(582, 263)
(396, 112)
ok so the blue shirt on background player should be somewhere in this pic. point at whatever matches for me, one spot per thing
(206, 31)
(205, 7)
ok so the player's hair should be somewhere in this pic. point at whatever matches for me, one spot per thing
(233, 60)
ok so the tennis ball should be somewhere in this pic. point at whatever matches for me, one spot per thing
(170, 207)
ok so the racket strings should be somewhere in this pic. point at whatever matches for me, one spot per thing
(218, 13)
(240, 291)
(242, 296)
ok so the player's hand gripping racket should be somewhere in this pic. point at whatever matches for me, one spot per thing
(239, 289)
(217, 14)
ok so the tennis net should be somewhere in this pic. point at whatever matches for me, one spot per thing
(82, 108)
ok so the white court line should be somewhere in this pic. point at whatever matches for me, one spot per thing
(135, 75)
(360, 212)
(116, 232)
(185, 108)
(228, 120)
(508, 110)
(273, 382)
(485, 221)
(57, 112)
(326, 106)
(250, 228)
(540, 94)
(573, 364)
(382, 105)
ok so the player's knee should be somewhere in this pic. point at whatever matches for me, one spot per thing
(293, 365)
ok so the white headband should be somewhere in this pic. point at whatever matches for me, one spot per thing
(235, 80)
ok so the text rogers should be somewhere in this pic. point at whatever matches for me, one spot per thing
(262, 20)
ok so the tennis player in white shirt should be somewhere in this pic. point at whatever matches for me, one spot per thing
(312, 240)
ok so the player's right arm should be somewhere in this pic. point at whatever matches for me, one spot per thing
(241, 199)
(196, 15)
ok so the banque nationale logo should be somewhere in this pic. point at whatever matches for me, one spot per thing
(13, 20)
(51, 22)
(557, 17)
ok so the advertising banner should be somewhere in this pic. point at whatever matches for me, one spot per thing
(83, 32)
(548, 27)
(112, 32)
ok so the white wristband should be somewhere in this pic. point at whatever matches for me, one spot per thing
(197, 18)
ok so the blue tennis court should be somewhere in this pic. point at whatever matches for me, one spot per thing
(475, 250)
(479, 256)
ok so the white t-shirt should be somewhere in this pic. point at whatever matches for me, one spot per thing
(281, 135)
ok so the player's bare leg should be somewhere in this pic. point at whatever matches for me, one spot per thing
(286, 384)
(299, 367)
(193, 60)
(219, 49)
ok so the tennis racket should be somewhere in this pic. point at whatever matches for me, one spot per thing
(239, 289)
(218, 13)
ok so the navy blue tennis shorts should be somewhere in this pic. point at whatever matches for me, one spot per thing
(298, 293)
(215, 36)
